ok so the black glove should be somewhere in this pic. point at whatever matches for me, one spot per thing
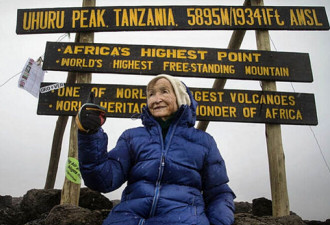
(90, 118)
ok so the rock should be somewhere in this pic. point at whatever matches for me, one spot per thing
(262, 207)
(39, 201)
(16, 201)
(249, 219)
(11, 216)
(93, 200)
(39, 221)
(5, 201)
(313, 222)
(41, 207)
(290, 220)
(243, 207)
(73, 215)
(36, 202)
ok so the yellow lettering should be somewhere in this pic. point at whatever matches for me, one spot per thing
(78, 62)
(132, 64)
(283, 114)
(83, 18)
(317, 23)
(304, 17)
(117, 12)
(128, 93)
(123, 107)
(268, 114)
(249, 112)
(142, 11)
(150, 18)
(219, 111)
(75, 17)
(100, 19)
(160, 17)
(267, 71)
(43, 20)
(68, 50)
(133, 17)
(87, 18)
(125, 21)
(99, 92)
(92, 19)
(170, 21)
(69, 92)
(68, 106)
(239, 56)
(145, 17)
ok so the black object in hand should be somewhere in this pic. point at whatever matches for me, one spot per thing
(90, 116)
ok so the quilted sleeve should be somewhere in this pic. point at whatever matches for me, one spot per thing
(101, 170)
(218, 197)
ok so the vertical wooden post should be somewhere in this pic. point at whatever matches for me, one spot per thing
(58, 138)
(276, 156)
(234, 43)
(57, 141)
(71, 191)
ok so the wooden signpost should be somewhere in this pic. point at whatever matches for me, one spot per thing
(276, 158)
(71, 187)
(178, 61)
(125, 101)
(135, 18)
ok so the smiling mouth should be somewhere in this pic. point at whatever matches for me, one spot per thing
(159, 107)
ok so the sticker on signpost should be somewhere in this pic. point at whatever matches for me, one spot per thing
(72, 172)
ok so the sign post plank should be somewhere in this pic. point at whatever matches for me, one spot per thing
(127, 101)
(178, 61)
(144, 18)
(276, 158)
(71, 190)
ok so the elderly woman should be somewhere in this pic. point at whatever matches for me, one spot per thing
(175, 174)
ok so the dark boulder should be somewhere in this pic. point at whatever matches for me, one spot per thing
(93, 200)
(262, 207)
(243, 207)
(313, 222)
(11, 216)
(37, 202)
(42, 207)
(249, 219)
(5, 201)
(73, 215)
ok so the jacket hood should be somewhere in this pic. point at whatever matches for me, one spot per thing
(189, 112)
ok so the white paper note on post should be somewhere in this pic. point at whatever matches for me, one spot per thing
(31, 77)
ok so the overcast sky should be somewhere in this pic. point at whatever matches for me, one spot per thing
(26, 138)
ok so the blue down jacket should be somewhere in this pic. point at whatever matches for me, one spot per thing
(181, 180)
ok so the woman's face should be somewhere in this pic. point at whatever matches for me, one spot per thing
(161, 99)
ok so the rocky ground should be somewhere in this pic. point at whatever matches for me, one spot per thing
(41, 207)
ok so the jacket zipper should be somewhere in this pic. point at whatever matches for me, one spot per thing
(141, 222)
(160, 174)
(161, 168)
(158, 185)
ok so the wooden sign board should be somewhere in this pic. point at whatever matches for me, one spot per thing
(127, 101)
(144, 18)
(178, 61)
